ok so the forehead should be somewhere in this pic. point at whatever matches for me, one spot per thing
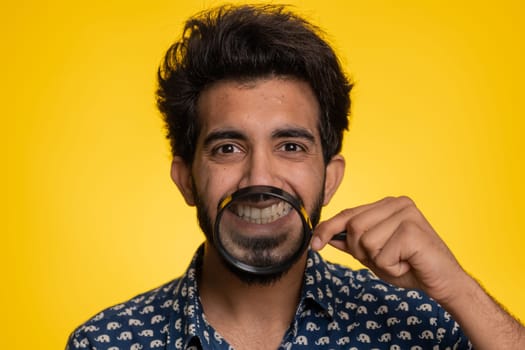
(258, 105)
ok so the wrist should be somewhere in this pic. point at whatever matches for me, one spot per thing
(462, 294)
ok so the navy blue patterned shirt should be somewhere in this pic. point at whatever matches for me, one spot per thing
(339, 309)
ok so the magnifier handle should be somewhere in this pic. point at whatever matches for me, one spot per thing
(341, 236)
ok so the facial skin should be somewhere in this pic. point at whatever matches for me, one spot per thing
(258, 132)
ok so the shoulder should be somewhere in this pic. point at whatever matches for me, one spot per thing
(382, 313)
(346, 279)
(366, 286)
(146, 314)
(378, 297)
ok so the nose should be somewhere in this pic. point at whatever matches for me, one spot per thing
(261, 168)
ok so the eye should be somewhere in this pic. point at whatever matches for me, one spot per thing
(227, 148)
(292, 147)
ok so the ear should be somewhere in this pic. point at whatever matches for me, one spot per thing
(334, 175)
(181, 176)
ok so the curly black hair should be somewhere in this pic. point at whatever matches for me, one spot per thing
(249, 42)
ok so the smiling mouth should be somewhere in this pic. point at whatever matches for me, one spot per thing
(264, 215)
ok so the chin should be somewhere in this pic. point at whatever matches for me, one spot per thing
(253, 279)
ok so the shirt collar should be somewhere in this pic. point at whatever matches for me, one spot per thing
(188, 320)
(317, 284)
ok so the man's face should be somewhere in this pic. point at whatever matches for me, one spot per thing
(261, 132)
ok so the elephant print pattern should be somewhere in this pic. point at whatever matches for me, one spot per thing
(339, 308)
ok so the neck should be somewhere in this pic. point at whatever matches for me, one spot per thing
(230, 303)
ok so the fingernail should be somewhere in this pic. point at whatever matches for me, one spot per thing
(316, 243)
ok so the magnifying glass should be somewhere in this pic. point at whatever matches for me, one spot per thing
(262, 229)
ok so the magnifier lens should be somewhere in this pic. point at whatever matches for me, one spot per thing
(261, 229)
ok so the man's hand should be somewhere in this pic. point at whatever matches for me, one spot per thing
(394, 240)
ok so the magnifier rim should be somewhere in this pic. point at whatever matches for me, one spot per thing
(225, 202)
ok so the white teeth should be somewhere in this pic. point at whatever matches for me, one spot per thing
(264, 215)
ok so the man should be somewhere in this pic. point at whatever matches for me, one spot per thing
(252, 96)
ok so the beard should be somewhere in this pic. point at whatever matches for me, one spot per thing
(257, 246)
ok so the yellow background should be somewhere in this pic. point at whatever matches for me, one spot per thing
(93, 218)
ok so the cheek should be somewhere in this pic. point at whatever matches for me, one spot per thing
(309, 183)
(313, 175)
(213, 183)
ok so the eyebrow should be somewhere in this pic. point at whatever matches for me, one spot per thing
(294, 132)
(291, 132)
(223, 135)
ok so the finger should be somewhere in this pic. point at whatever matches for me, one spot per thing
(372, 241)
(356, 221)
(362, 221)
(373, 216)
(324, 232)
(394, 260)
(360, 226)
